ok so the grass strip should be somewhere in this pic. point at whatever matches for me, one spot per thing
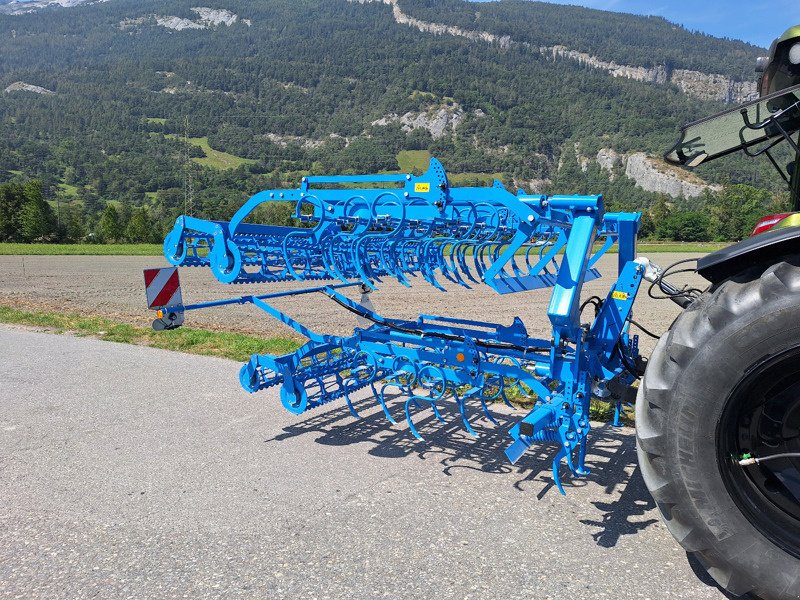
(688, 247)
(9, 248)
(235, 346)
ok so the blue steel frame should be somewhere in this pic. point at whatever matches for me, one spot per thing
(512, 243)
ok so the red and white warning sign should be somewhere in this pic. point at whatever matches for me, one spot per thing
(163, 287)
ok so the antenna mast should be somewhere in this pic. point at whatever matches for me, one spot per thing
(188, 191)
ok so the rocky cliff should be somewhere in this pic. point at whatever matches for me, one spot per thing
(706, 86)
(437, 120)
(655, 175)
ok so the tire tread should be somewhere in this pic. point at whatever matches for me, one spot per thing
(706, 318)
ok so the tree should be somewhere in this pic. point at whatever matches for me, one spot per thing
(140, 227)
(685, 226)
(37, 222)
(12, 198)
(109, 228)
(736, 209)
(75, 223)
(647, 226)
(660, 209)
(124, 213)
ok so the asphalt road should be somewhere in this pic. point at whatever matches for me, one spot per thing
(129, 472)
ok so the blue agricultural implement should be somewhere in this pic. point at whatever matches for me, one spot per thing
(718, 410)
(410, 228)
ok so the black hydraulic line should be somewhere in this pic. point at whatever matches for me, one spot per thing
(628, 366)
(757, 461)
(596, 301)
(437, 334)
(645, 331)
(682, 297)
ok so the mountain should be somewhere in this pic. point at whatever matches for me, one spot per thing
(99, 97)
(18, 7)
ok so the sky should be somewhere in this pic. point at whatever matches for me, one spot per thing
(758, 21)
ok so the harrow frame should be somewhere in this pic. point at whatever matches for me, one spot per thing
(423, 227)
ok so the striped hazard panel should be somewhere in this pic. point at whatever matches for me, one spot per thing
(163, 287)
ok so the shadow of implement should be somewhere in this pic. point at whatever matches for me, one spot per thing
(611, 456)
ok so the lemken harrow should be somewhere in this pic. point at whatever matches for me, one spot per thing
(407, 227)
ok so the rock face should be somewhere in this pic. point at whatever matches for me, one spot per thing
(648, 173)
(706, 86)
(17, 7)
(178, 24)
(608, 158)
(714, 87)
(215, 16)
(304, 142)
(583, 161)
(534, 186)
(503, 41)
(656, 75)
(653, 176)
(437, 120)
(21, 86)
(207, 18)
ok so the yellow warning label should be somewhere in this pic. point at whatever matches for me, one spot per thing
(422, 187)
(619, 296)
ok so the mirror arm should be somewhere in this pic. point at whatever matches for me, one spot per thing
(777, 167)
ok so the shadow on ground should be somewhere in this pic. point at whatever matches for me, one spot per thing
(701, 573)
(611, 456)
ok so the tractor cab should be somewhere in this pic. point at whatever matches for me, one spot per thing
(757, 127)
(781, 69)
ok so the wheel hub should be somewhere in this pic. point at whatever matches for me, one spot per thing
(762, 418)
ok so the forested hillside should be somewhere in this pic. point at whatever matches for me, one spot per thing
(104, 101)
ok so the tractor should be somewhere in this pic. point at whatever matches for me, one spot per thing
(718, 409)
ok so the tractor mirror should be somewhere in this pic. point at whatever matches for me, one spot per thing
(762, 121)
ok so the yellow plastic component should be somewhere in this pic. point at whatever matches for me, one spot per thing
(790, 221)
(422, 187)
(792, 32)
(619, 295)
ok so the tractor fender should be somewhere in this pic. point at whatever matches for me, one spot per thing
(760, 249)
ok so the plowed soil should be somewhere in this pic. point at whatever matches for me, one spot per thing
(113, 286)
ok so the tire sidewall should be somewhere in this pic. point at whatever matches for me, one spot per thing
(700, 395)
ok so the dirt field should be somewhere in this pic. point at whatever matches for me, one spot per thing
(113, 286)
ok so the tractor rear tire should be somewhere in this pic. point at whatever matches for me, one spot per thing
(716, 385)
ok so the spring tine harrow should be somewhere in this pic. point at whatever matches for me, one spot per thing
(409, 228)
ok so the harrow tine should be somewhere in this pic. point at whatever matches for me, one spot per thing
(382, 402)
(462, 410)
(362, 265)
(350, 406)
(506, 401)
(568, 455)
(480, 391)
(411, 427)
(617, 422)
(555, 467)
(582, 469)
(427, 273)
(451, 265)
(461, 255)
(436, 412)
(487, 412)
